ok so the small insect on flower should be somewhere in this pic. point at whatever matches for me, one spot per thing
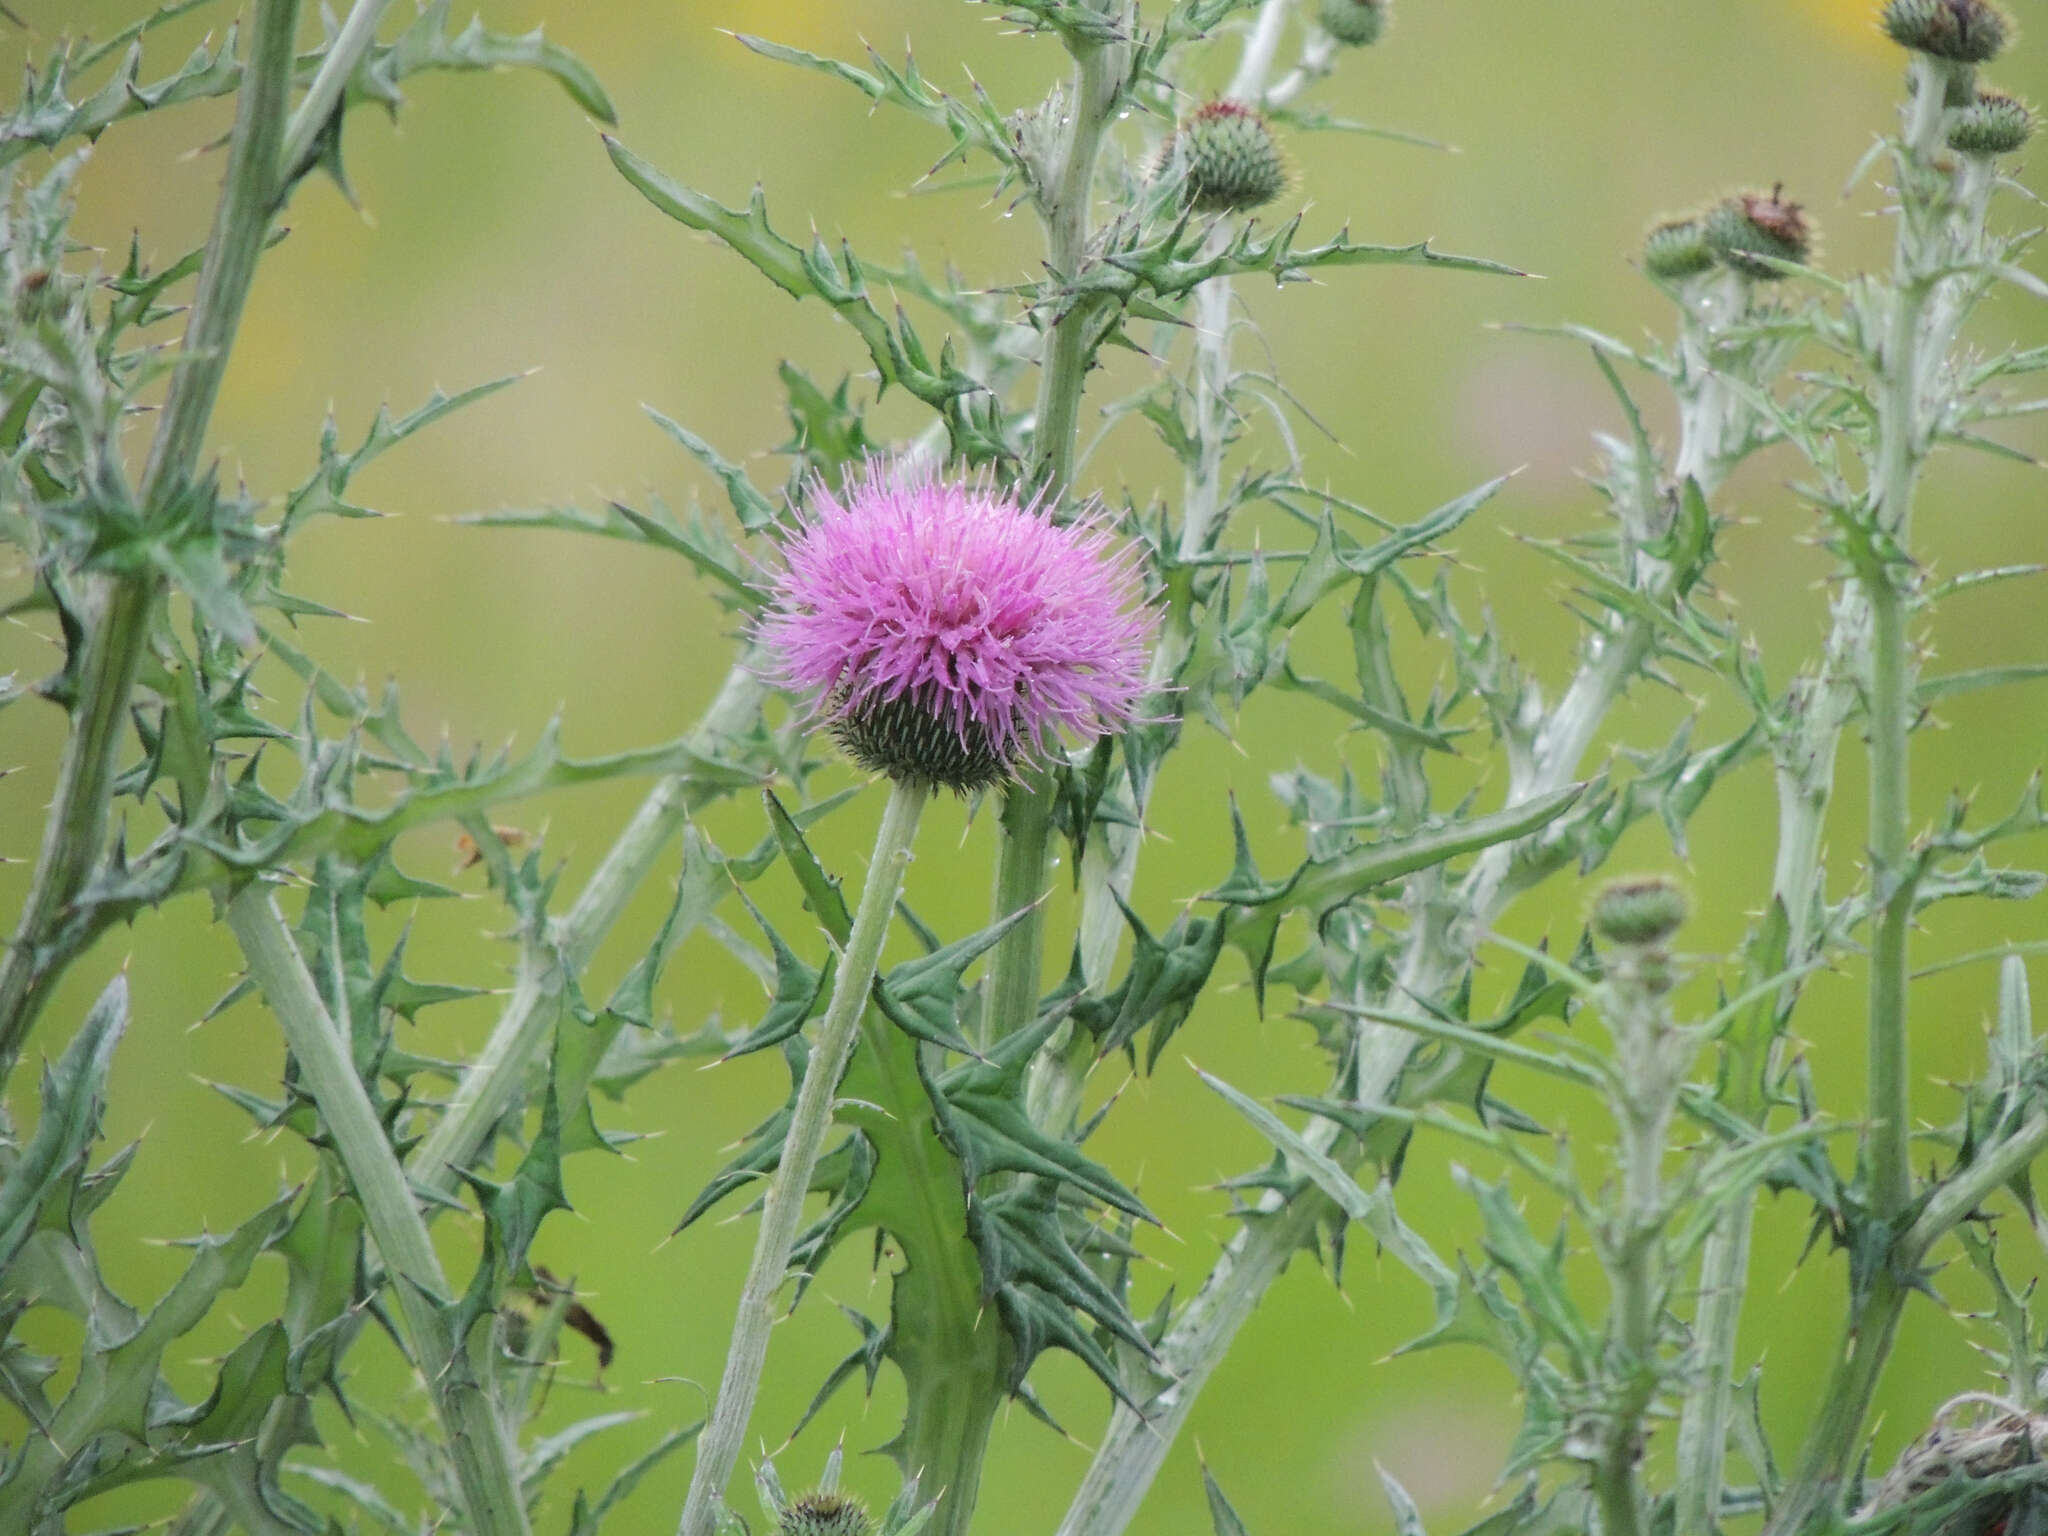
(1751, 230)
(951, 634)
(1960, 31)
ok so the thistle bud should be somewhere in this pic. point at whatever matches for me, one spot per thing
(1750, 225)
(825, 1514)
(1995, 124)
(1677, 249)
(1961, 31)
(1355, 23)
(1226, 158)
(1642, 912)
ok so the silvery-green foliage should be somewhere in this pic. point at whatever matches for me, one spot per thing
(960, 1129)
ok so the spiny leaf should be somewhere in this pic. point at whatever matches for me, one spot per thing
(981, 1116)
(73, 1099)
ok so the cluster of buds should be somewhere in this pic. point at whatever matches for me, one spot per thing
(1748, 233)
(1355, 23)
(1960, 35)
(1224, 159)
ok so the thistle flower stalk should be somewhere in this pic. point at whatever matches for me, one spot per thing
(723, 1437)
(1902, 446)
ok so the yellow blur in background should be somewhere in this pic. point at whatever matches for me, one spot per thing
(493, 238)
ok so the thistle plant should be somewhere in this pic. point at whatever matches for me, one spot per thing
(997, 604)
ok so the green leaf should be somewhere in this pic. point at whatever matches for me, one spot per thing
(426, 45)
(922, 996)
(1935, 689)
(73, 1101)
(1030, 1270)
(981, 1117)
(1407, 1518)
(823, 897)
(1322, 884)
(1375, 1211)
(1223, 1520)
(799, 990)
(589, 1518)
(842, 283)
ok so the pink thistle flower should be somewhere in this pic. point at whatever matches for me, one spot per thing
(951, 634)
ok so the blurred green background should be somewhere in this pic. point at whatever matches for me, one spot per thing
(492, 238)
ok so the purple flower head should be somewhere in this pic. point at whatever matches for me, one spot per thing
(949, 633)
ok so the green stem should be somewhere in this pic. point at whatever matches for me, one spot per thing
(1650, 1057)
(1023, 867)
(121, 611)
(1889, 1147)
(1024, 853)
(718, 1450)
(323, 97)
(477, 1443)
(1831, 1446)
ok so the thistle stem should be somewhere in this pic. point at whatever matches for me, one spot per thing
(121, 610)
(477, 1442)
(1816, 1486)
(1023, 856)
(718, 1450)
(1135, 1446)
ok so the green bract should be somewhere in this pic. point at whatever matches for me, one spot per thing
(1225, 159)
(1994, 124)
(1355, 23)
(1677, 249)
(1961, 31)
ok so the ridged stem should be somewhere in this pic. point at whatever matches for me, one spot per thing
(1023, 855)
(1134, 1447)
(1816, 1487)
(477, 1442)
(120, 610)
(718, 1448)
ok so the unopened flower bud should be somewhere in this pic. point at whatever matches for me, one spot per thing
(1961, 31)
(1759, 224)
(1355, 23)
(1642, 912)
(1226, 159)
(825, 1514)
(1677, 249)
(1995, 124)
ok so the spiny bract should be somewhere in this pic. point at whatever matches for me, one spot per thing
(1994, 124)
(1961, 31)
(1677, 249)
(1355, 23)
(950, 634)
(1641, 911)
(1225, 159)
(825, 1514)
